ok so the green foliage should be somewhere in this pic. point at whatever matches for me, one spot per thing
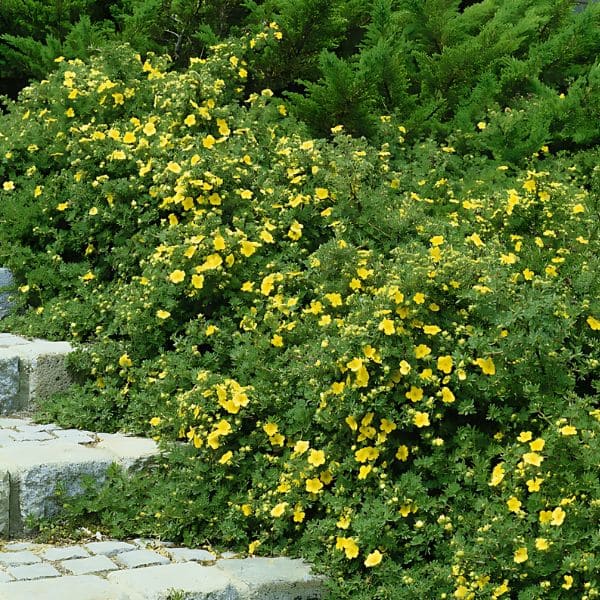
(384, 358)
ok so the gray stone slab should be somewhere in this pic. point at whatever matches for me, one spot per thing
(187, 554)
(4, 577)
(6, 284)
(37, 571)
(65, 553)
(23, 557)
(140, 558)
(87, 566)
(42, 370)
(275, 578)
(9, 382)
(85, 587)
(8, 339)
(129, 452)
(4, 504)
(196, 581)
(108, 547)
(36, 468)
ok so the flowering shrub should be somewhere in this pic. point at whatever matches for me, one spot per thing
(383, 357)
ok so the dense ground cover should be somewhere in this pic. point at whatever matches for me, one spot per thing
(384, 358)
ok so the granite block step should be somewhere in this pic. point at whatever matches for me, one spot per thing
(35, 459)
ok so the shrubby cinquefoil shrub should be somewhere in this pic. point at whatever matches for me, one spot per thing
(383, 358)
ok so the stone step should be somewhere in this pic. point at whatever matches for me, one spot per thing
(148, 570)
(34, 459)
(30, 371)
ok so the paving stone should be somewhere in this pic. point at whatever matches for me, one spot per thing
(185, 554)
(85, 587)
(86, 566)
(198, 582)
(109, 547)
(140, 558)
(4, 577)
(275, 578)
(65, 553)
(24, 557)
(37, 571)
(14, 546)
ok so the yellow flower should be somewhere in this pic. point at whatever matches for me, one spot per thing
(373, 559)
(278, 509)
(149, 129)
(88, 276)
(301, 446)
(62, 206)
(8, 186)
(364, 471)
(513, 504)
(520, 555)
(387, 326)
(348, 545)
(125, 361)
(421, 351)
(529, 185)
(70, 113)
(593, 323)
(277, 341)
(532, 458)
(190, 120)
(322, 193)
(366, 453)
(129, 137)
(568, 582)
(212, 261)
(545, 516)
(299, 514)
(419, 298)
(155, 421)
(173, 167)
(163, 314)
(415, 394)
(421, 419)
(447, 395)
(351, 422)
(198, 281)
(542, 544)
(537, 445)
(497, 474)
(578, 208)
(524, 436)
(528, 274)
(177, 276)
(568, 430)
(295, 231)
(314, 485)
(533, 485)
(210, 330)
(226, 457)
(316, 458)
(436, 240)
(249, 248)
(334, 299)
(402, 453)
(558, 517)
(475, 239)
(270, 429)
(209, 141)
(252, 546)
(486, 365)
